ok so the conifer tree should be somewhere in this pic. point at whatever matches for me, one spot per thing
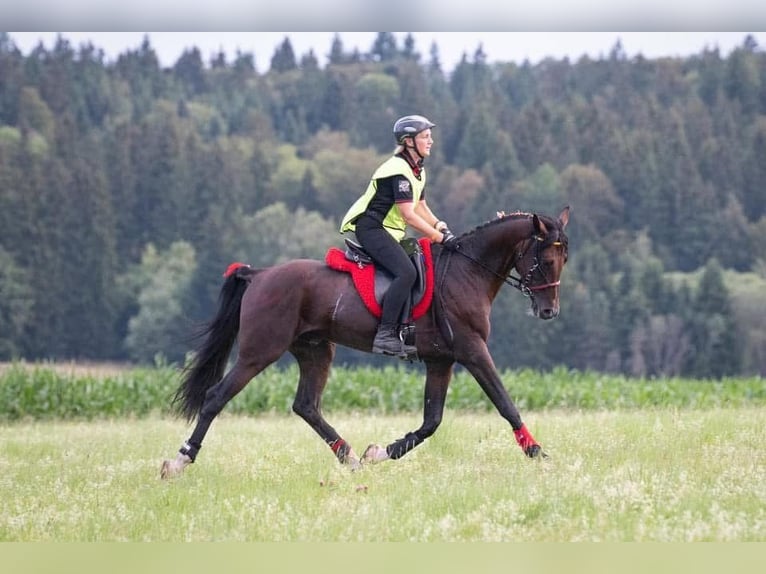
(716, 346)
(283, 59)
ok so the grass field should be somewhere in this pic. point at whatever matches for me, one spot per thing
(649, 475)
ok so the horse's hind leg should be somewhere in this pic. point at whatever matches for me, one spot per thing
(215, 399)
(314, 360)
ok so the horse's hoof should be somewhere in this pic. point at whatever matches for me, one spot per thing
(354, 464)
(173, 468)
(535, 451)
(374, 453)
(165, 470)
(351, 460)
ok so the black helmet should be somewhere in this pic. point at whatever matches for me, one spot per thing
(410, 126)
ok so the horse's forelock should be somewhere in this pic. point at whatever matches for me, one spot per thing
(555, 230)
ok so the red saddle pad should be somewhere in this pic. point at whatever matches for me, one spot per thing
(364, 279)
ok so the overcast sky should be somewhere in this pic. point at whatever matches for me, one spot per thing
(498, 46)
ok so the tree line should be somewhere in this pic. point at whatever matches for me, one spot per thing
(126, 188)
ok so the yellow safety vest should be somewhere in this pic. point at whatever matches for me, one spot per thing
(393, 222)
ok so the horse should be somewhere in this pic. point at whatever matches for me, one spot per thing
(306, 308)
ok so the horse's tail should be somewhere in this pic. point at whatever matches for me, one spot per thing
(209, 361)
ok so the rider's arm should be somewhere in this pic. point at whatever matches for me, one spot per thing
(415, 220)
(425, 212)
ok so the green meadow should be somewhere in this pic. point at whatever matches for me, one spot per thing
(660, 474)
(630, 460)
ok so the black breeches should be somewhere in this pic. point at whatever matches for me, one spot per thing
(388, 254)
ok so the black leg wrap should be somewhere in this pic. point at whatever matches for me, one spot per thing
(190, 450)
(404, 445)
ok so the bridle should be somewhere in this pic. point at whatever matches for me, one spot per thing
(522, 283)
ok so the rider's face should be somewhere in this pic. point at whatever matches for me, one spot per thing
(423, 142)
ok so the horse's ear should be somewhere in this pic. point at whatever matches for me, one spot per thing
(538, 226)
(564, 217)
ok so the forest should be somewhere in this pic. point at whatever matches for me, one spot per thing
(126, 188)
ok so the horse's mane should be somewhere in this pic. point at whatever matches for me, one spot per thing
(501, 218)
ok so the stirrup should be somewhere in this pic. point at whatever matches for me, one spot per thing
(404, 352)
(390, 342)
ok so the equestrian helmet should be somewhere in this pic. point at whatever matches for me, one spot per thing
(410, 126)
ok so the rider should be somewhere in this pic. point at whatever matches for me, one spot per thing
(395, 198)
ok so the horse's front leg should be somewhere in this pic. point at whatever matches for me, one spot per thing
(482, 367)
(314, 361)
(438, 377)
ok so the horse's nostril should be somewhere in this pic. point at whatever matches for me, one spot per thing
(546, 313)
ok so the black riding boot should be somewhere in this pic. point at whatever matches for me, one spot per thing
(387, 342)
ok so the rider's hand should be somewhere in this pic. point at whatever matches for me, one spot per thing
(449, 241)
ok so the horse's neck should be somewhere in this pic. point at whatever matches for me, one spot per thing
(493, 248)
(496, 244)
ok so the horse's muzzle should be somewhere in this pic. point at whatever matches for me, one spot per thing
(548, 313)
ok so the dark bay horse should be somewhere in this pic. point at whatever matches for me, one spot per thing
(306, 308)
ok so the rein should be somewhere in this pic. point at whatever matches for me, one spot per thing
(520, 283)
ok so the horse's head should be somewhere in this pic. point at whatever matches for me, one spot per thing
(539, 262)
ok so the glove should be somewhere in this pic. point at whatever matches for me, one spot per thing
(449, 241)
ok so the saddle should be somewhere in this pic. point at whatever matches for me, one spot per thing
(372, 282)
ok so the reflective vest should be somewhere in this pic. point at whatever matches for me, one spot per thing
(393, 222)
